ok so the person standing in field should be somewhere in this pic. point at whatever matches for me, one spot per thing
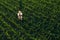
(19, 15)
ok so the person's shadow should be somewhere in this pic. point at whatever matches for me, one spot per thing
(21, 5)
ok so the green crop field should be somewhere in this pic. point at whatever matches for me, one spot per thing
(41, 20)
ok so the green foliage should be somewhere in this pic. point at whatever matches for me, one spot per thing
(41, 20)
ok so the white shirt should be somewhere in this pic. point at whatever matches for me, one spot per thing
(19, 13)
